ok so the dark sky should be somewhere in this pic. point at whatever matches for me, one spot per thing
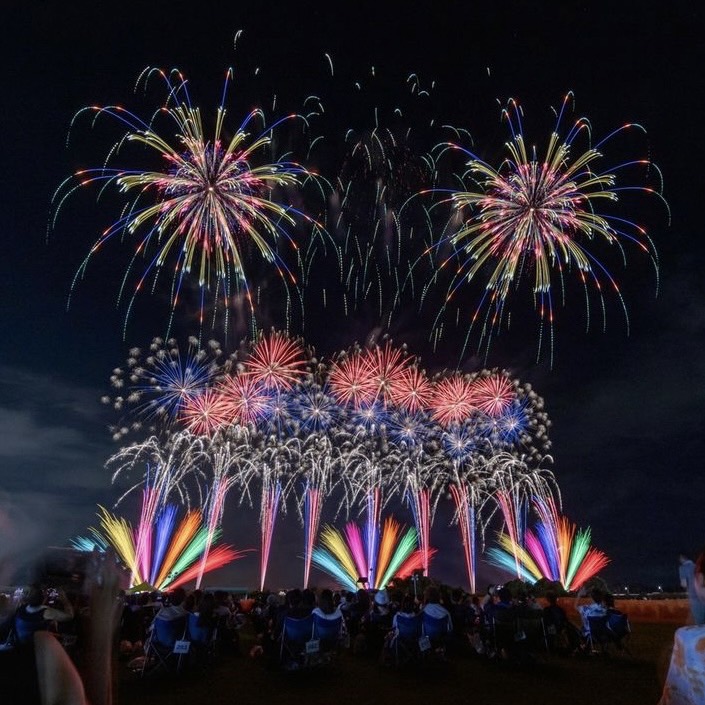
(627, 410)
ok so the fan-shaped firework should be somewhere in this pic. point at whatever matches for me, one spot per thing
(344, 556)
(164, 554)
(553, 550)
(211, 202)
(541, 216)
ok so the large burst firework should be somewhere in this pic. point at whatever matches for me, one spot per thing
(163, 383)
(210, 203)
(540, 216)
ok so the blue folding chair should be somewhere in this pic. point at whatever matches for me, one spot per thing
(203, 641)
(297, 643)
(330, 634)
(435, 632)
(25, 628)
(167, 646)
(405, 642)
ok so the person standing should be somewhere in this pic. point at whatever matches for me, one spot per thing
(687, 576)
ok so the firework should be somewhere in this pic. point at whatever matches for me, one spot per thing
(470, 490)
(211, 202)
(553, 550)
(206, 413)
(172, 556)
(167, 465)
(452, 400)
(157, 386)
(540, 216)
(412, 390)
(245, 399)
(344, 555)
(516, 484)
(351, 381)
(493, 394)
(277, 362)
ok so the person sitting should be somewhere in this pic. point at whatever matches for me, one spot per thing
(174, 607)
(433, 608)
(595, 608)
(327, 610)
(325, 606)
(377, 623)
(561, 633)
(357, 613)
(617, 622)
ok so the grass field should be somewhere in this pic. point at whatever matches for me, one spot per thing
(618, 679)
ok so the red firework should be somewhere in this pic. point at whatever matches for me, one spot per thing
(352, 382)
(205, 413)
(386, 366)
(493, 394)
(452, 401)
(413, 391)
(277, 362)
(246, 400)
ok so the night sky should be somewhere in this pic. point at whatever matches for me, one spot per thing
(627, 410)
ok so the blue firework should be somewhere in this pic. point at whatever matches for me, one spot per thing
(460, 441)
(313, 407)
(409, 429)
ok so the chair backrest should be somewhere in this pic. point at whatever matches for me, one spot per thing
(327, 629)
(409, 626)
(298, 629)
(598, 628)
(618, 624)
(434, 627)
(168, 631)
(197, 633)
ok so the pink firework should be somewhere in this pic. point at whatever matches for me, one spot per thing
(352, 382)
(277, 362)
(246, 400)
(493, 395)
(453, 400)
(205, 413)
(412, 390)
(385, 366)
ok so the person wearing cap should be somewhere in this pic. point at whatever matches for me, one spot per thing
(378, 622)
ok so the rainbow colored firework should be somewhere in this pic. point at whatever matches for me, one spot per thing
(165, 554)
(541, 216)
(344, 555)
(358, 430)
(212, 201)
(552, 550)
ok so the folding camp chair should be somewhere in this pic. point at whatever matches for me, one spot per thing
(530, 628)
(329, 633)
(598, 636)
(620, 630)
(435, 633)
(297, 643)
(203, 642)
(405, 642)
(167, 646)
